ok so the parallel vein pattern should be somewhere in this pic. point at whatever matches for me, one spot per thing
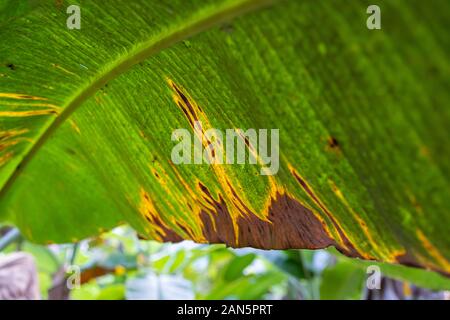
(86, 118)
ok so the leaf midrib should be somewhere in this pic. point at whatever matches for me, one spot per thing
(126, 61)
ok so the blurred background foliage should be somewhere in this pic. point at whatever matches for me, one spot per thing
(119, 265)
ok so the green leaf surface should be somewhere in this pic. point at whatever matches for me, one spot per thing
(344, 281)
(86, 118)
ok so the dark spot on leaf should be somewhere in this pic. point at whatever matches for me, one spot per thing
(187, 43)
(247, 141)
(59, 4)
(333, 143)
(206, 194)
(142, 237)
(71, 151)
(203, 188)
(227, 27)
(185, 100)
(11, 66)
(185, 113)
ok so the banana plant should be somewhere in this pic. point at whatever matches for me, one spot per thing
(97, 96)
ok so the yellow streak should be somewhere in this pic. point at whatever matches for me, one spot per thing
(168, 186)
(12, 133)
(355, 215)
(433, 251)
(5, 158)
(29, 113)
(314, 198)
(148, 210)
(20, 96)
(235, 204)
(40, 105)
(10, 138)
(394, 254)
(74, 126)
(235, 209)
(57, 66)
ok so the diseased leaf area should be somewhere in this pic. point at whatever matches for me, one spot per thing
(86, 120)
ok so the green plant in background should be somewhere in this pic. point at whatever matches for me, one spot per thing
(86, 120)
(117, 265)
